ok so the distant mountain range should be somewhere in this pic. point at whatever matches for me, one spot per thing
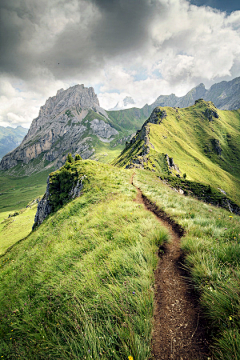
(73, 121)
(10, 138)
(225, 96)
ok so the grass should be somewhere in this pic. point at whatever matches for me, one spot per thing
(128, 119)
(15, 228)
(212, 249)
(104, 151)
(81, 285)
(17, 192)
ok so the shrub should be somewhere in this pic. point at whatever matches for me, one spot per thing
(78, 157)
(70, 158)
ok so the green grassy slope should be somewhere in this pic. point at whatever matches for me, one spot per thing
(81, 285)
(206, 151)
(17, 192)
(212, 255)
(129, 119)
(16, 227)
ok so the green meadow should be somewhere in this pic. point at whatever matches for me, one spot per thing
(15, 226)
(17, 192)
(17, 207)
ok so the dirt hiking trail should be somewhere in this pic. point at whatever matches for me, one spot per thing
(179, 331)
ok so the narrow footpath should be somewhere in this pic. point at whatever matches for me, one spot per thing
(179, 332)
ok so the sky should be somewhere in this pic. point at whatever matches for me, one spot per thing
(137, 48)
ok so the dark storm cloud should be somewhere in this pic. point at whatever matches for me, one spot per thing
(222, 5)
(109, 28)
(17, 23)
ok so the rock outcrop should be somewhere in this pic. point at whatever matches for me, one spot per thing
(44, 206)
(156, 117)
(211, 114)
(64, 124)
(102, 129)
(171, 164)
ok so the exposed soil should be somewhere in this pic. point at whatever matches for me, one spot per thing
(179, 330)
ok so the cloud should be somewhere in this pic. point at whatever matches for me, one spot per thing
(70, 37)
(120, 47)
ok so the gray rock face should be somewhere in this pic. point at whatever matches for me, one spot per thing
(211, 114)
(60, 128)
(102, 129)
(77, 97)
(156, 117)
(44, 208)
(76, 190)
(171, 164)
(128, 100)
(183, 101)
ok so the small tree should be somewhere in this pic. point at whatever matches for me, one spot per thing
(184, 175)
(77, 157)
(70, 158)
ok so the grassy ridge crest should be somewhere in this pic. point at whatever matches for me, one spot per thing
(201, 140)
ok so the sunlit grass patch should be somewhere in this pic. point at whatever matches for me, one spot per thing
(15, 227)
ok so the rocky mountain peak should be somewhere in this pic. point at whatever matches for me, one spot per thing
(76, 95)
(70, 121)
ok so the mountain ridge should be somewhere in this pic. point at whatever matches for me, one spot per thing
(200, 141)
(10, 138)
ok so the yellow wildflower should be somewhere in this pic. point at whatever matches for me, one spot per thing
(130, 358)
(230, 318)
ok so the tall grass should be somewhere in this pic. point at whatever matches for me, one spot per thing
(212, 249)
(81, 285)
